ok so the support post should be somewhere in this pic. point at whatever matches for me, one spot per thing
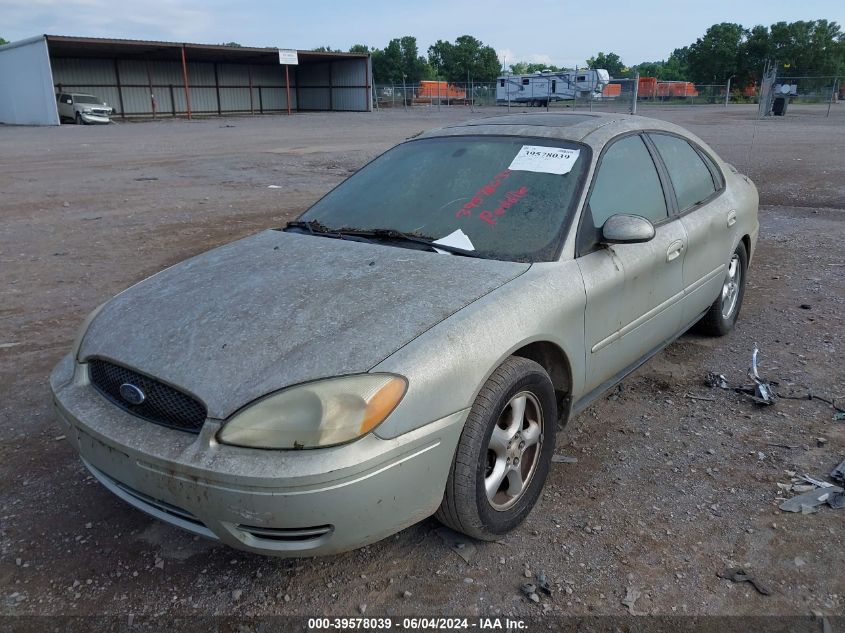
(832, 94)
(331, 91)
(217, 90)
(172, 102)
(287, 87)
(634, 93)
(150, 85)
(119, 90)
(251, 105)
(260, 101)
(185, 80)
(404, 94)
(728, 91)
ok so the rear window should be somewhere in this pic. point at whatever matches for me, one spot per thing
(691, 178)
(86, 99)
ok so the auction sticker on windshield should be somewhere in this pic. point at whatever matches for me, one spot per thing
(546, 160)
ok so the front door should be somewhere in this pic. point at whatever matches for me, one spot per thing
(633, 290)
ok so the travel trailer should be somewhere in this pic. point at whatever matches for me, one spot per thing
(542, 87)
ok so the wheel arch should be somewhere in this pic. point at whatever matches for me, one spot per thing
(554, 360)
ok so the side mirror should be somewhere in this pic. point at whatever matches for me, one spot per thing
(626, 229)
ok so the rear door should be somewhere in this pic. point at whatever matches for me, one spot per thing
(708, 217)
(633, 290)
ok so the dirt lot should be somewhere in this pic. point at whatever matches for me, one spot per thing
(675, 481)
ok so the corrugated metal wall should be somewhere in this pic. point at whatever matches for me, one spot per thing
(216, 88)
(26, 91)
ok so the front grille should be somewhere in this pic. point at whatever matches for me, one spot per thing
(162, 403)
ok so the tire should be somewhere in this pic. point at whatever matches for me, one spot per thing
(79, 120)
(466, 506)
(722, 315)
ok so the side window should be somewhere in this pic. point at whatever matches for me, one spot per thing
(502, 83)
(717, 174)
(691, 178)
(627, 182)
(525, 82)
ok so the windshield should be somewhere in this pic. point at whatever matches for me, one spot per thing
(513, 197)
(86, 99)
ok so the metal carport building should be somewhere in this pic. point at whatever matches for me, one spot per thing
(158, 79)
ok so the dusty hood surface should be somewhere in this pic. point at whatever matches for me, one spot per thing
(277, 309)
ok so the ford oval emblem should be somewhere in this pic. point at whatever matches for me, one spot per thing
(132, 394)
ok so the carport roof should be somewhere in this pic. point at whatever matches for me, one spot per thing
(65, 46)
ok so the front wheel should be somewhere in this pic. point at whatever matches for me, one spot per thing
(79, 120)
(722, 315)
(504, 452)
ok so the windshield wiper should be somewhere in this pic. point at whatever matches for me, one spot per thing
(314, 227)
(390, 235)
(393, 235)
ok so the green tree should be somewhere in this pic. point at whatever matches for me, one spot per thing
(400, 58)
(467, 56)
(326, 49)
(359, 48)
(232, 44)
(611, 62)
(716, 55)
(2, 41)
(806, 48)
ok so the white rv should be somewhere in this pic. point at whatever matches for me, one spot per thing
(542, 87)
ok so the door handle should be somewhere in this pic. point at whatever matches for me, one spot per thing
(674, 250)
(731, 217)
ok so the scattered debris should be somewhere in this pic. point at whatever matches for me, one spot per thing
(458, 543)
(236, 594)
(763, 392)
(839, 416)
(740, 575)
(806, 306)
(632, 594)
(274, 186)
(564, 459)
(838, 473)
(692, 397)
(837, 500)
(716, 380)
(816, 482)
(530, 591)
(146, 178)
(8, 345)
(543, 584)
(808, 502)
(789, 446)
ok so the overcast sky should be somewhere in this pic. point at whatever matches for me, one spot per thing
(548, 31)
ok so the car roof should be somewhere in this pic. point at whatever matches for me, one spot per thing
(593, 128)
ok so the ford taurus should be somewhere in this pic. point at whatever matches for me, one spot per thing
(410, 344)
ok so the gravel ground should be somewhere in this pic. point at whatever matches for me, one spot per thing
(674, 482)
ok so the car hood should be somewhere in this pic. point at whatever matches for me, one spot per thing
(277, 309)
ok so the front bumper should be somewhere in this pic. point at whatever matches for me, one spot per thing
(282, 503)
(95, 118)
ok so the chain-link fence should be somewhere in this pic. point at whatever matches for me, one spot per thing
(633, 95)
(779, 92)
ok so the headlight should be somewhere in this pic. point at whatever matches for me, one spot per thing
(321, 413)
(86, 110)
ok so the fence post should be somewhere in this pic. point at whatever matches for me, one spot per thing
(728, 91)
(634, 92)
(404, 94)
(832, 95)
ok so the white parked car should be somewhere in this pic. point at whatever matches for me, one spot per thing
(82, 108)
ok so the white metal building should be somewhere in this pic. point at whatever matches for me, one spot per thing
(159, 79)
